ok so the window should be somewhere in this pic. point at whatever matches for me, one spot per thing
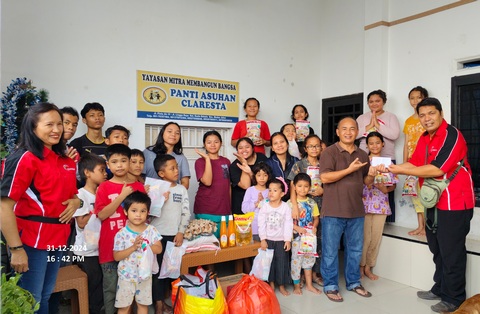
(466, 117)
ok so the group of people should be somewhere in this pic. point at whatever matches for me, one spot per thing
(303, 188)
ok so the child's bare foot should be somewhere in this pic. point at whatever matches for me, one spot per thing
(272, 285)
(421, 232)
(311, 288)
(283, 291)
(370, 274)
(162, 308)
(297, 289)
(362, 272)
(414, 232)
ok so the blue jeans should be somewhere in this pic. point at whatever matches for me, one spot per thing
(41, 276)
(332, 230)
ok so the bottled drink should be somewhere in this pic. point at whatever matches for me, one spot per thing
(223, 233)
(231, 231)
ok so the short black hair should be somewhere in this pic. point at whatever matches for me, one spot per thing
(70, 110)
(91, 106)
(89, 162)
(116, 127)
(118, 149)
(137, 197)
(137, 152)
(160, 161)
(430, 101)
(302, 177)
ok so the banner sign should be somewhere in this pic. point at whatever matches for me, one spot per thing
(177, 97)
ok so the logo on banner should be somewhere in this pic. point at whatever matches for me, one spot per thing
(154, 95)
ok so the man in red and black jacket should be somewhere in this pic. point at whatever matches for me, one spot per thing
(439, 153)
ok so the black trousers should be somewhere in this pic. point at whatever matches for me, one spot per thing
(91, 266)
(160, 287)
(447, 245)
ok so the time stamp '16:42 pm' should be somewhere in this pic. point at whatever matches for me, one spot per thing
(66, 258)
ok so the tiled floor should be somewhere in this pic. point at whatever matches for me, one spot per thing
(387, 297)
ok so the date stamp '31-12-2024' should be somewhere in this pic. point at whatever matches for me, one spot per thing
(66, 257)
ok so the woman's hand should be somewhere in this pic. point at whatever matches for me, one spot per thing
(72, 153)
(287, 246)
(202, 154)
(19, 260)
(373, 122)
(240, 158)
(72, 205)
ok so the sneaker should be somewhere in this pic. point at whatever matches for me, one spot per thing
(443, 306)
(428, 295)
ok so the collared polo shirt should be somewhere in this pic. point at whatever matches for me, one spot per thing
(446, 148)
(343, 199)
(39, 187)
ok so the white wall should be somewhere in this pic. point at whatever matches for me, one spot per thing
(342, 63)
(282, 52)
(424, 52)
(83, 51)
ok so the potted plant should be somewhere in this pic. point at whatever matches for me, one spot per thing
(16, 300)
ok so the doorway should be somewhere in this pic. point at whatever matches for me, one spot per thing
(466, 117)
(336, 108)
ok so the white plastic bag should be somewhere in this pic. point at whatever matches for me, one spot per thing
(172, 259)
(91, 233)
(148, 264)
(157, 189)
(261, 264)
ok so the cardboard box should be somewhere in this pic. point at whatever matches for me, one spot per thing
(228, 282)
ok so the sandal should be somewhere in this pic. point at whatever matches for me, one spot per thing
(360, 290)
(330, 293)
(167, 309)
(318, 281)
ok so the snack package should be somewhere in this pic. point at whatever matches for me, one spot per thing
(308, 244)
(410, 186)
(253, 130)
(243, 228)
(302, 128)
(314, 174)
(384, 178)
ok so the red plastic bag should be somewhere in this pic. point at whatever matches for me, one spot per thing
(251, 295)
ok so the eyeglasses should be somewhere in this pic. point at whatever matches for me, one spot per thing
(313, 147)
